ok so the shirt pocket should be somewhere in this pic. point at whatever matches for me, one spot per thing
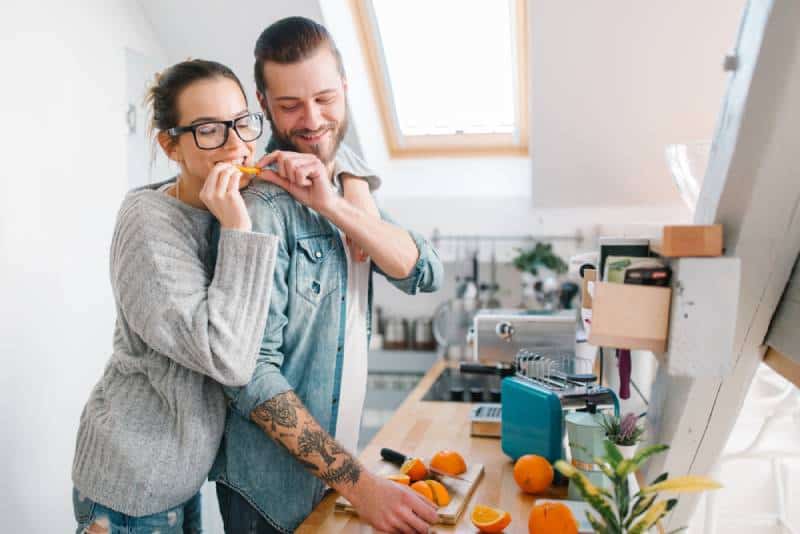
(317, 275)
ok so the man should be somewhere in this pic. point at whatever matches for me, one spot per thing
(308, 389)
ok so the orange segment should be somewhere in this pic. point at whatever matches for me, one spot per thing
(414, 468)
(423, 489)
(490, 520)
(449, 462)
(550, 517)
(400, 479)
(533, 473)
(440, 494)
(248, 170)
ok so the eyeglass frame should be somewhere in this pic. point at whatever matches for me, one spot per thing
(229, 124)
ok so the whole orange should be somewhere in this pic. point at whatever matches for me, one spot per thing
(533, 473)
(552, 518)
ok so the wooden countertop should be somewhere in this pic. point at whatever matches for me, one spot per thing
(421, 428)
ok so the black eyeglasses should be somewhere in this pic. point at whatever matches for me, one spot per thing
(209, 135)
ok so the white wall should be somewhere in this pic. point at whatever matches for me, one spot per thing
(63, 105)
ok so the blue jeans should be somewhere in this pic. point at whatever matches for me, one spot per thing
(183, 519)
(238, 516)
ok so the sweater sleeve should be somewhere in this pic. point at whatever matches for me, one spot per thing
(162, 287)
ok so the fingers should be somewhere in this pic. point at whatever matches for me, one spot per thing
(423, 508)
(415, 522)
(287, 163)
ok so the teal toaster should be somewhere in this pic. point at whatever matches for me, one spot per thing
(533, 411)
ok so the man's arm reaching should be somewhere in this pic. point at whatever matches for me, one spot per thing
(384, 504)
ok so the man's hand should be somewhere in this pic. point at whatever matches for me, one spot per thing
(391, 507)
(303, 176)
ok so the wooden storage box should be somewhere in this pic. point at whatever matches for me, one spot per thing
(628, 316)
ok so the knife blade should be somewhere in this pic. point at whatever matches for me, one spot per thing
(398, 458)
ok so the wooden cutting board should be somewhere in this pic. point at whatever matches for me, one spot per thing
(460, 492)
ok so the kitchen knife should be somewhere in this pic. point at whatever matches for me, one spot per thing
(398, 458)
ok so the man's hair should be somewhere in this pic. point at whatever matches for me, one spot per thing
(291, 40)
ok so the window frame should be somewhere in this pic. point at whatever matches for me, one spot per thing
(452, 145)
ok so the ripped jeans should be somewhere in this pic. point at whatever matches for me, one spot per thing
(93, 517)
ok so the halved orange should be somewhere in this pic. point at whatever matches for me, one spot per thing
(490, 520)
(449, 462)
(400, 479)
(423, 489)
(414, 468)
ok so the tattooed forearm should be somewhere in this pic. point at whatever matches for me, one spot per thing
(349, 471)
(279, 410)
(286, 420)
(317, 441)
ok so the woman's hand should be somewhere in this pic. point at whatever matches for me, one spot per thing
(356, 192)
(220, 194)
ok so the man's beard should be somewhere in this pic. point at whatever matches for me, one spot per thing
(284, 139)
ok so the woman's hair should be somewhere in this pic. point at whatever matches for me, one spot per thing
(162, 96)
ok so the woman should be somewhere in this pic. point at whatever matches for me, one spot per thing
(153, 423)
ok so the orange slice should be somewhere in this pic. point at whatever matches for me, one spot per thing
(248, 170)
(440, 494)
(449, 462)
(400, 479)
(423, 489)
(414, 468)
(490, 520)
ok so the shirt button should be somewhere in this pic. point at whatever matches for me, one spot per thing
(318, 254)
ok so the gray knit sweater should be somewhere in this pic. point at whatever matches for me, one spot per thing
(152, 425)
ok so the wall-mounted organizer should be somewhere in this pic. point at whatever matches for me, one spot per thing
(691, 322)
(626, 316)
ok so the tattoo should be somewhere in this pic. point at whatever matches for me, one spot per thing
(279, 410)
(310, 441)
(287, 412)
(349, 471)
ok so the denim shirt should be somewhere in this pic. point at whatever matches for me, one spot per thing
(302, 350)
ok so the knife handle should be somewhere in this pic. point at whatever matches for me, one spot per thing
(393, 456)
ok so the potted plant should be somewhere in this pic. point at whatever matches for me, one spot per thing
(540, 268)
(619, 512)
(624, 432)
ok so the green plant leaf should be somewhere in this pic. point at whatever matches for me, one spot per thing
(597, 499)
(655, 513)
(597, 524)
(623, 498)
(660, 478)
(605, 468)
(646, 453)
(685, 484)
(613, 454)
(640, 506)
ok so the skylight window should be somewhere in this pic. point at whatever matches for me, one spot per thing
(450, 75)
